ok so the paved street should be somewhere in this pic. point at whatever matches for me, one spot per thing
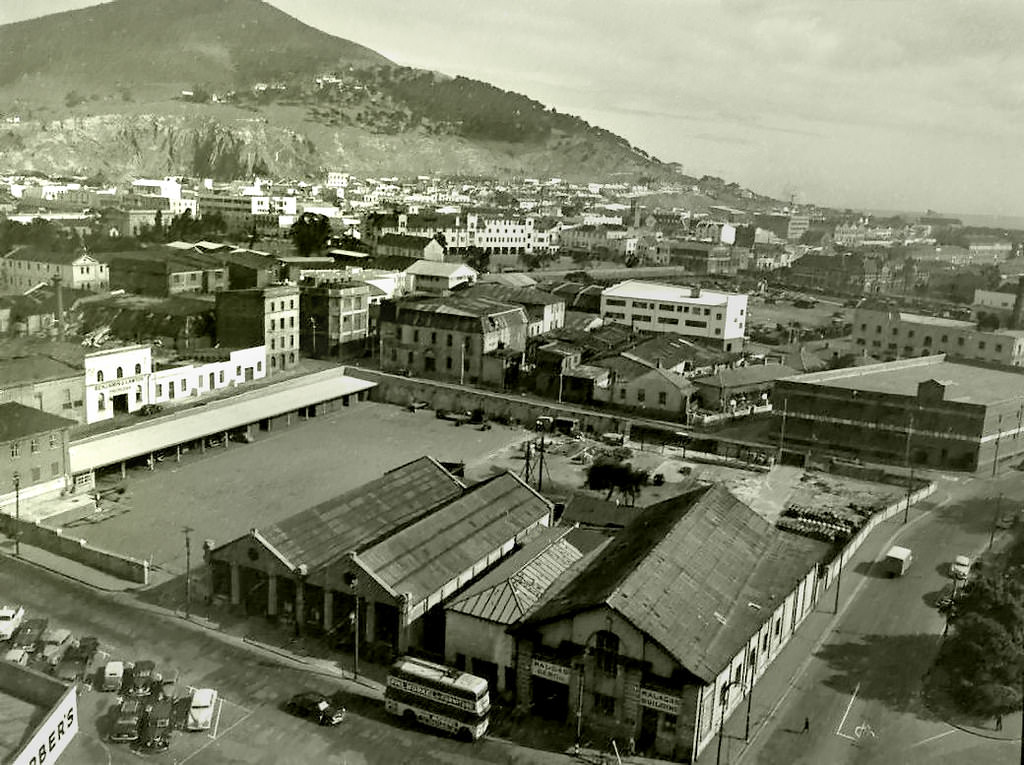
(252, 728)
(860, 688)
(223, 493)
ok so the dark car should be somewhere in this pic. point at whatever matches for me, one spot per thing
(149, 409)
(126, 722)
(156, 725)
(144, 676)
(75, 663)
(29, 634)
(317, 707)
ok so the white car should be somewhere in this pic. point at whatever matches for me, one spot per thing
(960, 567)
(10, 620)
(200, 710)
(17, 656)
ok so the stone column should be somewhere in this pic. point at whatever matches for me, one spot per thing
(368, 626)
(236, 594)
(524, 673)
(300, 603)
(328, 609)
(272, 595)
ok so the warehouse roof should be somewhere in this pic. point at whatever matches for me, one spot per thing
(964, 383)
(699, 574)
(754, 374)
(420, 558)
(359, 517)
(509, 591)
(33, 369)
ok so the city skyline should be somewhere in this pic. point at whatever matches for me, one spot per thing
(882, 106)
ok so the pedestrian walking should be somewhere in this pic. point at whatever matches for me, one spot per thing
(632, 746)
(999, 722)
(807, 724)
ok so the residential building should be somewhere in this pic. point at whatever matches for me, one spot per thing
(679, 355)
(33, 451)
(845, 273)
(404, 245)
(454, 338)
(24, 267)
(546, 312)
(732, 390)
(457, 231)
(652, 392)
(989, 249)
(395, 549)
(896, 334)
(719, 317)
(335, 318)
(580, 297)
(705, 258)
(438, 278)
(934, 412)
(1001, 303)
(267, 316)
(45, 384)
(477, 620)
(243, 212)
(668, 628)
(162, 273)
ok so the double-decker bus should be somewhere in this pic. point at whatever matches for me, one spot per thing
(439, 696)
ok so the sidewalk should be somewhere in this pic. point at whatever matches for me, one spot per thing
(784, 673)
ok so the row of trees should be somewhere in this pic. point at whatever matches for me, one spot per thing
(609, 473)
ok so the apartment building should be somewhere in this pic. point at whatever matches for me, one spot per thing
(267, 316)
(163, 273)
(690, 311)
(24, 267)
(892, 335)
(334, 316)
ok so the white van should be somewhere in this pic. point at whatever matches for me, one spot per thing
(113, 675)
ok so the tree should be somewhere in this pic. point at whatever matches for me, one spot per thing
(310, 233)
(995, 700)
(478, 259)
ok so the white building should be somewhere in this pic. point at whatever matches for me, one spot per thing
(122, 380)
(689, 311)
(433, 277)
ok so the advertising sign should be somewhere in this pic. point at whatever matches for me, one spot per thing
(53, 734)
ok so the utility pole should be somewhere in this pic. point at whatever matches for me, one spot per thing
(909, 465)
(999, 434)
(17, 513)
(540, 467)
(187, 530)
(839, 582)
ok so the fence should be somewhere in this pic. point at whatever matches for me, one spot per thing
(831, 571)
(78, 550)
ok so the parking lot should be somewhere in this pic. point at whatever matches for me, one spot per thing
(224, 492)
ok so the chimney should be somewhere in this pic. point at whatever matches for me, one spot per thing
(60, 307)
(1018, 306)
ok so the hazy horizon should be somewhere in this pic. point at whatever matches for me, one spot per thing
(882, 104)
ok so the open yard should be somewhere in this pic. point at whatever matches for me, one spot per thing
(225, 492)
(785, 313)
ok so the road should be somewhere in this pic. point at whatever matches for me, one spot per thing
(860, 690)
(251, 727)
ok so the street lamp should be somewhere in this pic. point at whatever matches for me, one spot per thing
(17, 513)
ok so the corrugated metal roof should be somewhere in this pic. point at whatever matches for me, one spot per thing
(699, 574)
(216, 417)
(508, 592)
(425, 555)
(359, 517)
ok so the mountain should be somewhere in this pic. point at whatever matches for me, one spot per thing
(230, 88)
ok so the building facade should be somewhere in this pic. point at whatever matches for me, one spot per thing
(690, 311)
(44, 384)
(33, 454)
(267, 316)
(25, 267)
(335, 318)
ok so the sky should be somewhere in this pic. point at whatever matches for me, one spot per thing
(882, 104)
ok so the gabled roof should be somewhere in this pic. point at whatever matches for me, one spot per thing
(528, 296)
(699, 574)
(592, 511)
(357, 518)
(677, 381)
(37, 255)
(509, 279)
(421, 557)
(18, 421)
(435, 268)
(673, 350)
(510, 590)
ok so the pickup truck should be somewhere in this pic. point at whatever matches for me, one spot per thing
(898, 560)
(10, 620)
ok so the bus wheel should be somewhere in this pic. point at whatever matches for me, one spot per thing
(464, 735)
(409, 716)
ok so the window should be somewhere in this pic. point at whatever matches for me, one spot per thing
(718, 316)
(138, 394)
(622, 393)
(273, 362)
(668, 724)
(101, 404)
(895, 331)
(614, 301)
(604, 704)
(433, 338)
(120, 373)
(184, 385)
(718, 331)
(222, 375)
(981, 345)
(641, 395)
(707, 311)
(54, 469)
(448, 363)
(663, 320)
(159, 389)
(291, 321)
(15, 449)
(33, 446)
(945, 339)
(272, 325)
(696, 323)
(415, 335)
(411, 357)
(863, 327)
(291, 357)
(291, 304)
(662, 398)
(606, 652)
(910, 333)
(999, 348)
(927, 341)
(273, 344)
(36, 474)
(665, 307)
(959, 341)
(53, 440)
(99, 375)
(259, 366)
(878, 329)
(449, 340)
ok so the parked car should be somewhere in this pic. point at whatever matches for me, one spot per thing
(149, 409)
(113, 676)
(28, 634)
(126, 723)
(317, 707)
(17, 656)
(200, 709)
(10, 619)
(84, 649)
(960, 568)
(156, 725)
(56, 642)
(144, 676)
